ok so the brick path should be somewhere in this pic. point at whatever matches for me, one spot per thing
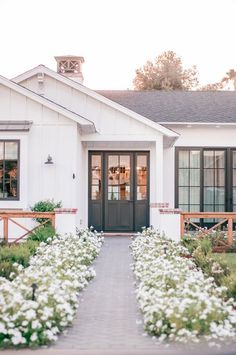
(108, 315)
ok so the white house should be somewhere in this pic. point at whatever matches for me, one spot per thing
(116, 156)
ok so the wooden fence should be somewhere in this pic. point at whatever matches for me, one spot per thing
(9, 216)
(224, 217)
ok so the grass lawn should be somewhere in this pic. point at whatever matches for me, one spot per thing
(229, 258)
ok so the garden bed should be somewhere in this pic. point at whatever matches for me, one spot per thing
(42, 299)
(177, 301)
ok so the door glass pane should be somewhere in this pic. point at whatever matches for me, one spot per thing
(96, 192)
(141, 171)
(113, 170)
(183, 158)
(124, 192)
(124, 169)
(96, 177)
(113, 193)
(141, 192)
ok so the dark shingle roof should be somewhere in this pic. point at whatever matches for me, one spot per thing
(178, 106)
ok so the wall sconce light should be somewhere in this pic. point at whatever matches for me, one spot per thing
(49, 160)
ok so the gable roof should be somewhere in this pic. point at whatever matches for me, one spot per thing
(178, 106)
(47, 103)
(97, 96)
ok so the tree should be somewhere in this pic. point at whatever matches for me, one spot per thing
(166, 73)
(230, 76)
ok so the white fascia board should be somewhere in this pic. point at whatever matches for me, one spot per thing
(45, 102)
(77, 86)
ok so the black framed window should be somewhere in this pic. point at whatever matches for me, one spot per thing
(9, 170)
(201, 179)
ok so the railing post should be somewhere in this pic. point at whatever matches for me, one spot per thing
(230, 231)
(182, 225)
(53, 222)
(5, 229)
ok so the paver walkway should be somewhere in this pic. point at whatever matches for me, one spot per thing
(108, 315)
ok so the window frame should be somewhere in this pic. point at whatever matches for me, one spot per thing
(228, 174)
(16, 198)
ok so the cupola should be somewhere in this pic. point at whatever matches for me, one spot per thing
(71, 67)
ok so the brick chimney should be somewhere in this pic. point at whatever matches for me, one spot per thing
(71, 67)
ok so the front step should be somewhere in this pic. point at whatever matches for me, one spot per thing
(121, 234)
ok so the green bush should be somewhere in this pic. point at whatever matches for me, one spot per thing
(45, 206)
(7, 270)
(18, 253)
(42, 234)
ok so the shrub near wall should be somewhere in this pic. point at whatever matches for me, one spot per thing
(59, 270)
(177, 301)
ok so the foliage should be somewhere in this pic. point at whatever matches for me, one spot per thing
(230, 282)
(42, 234)
(59, 271)
(165, 73)
(230, 77)
(45, 206)
(179, 303)
(8, 270)
(18, 253)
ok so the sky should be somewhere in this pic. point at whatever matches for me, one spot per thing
(117, 37)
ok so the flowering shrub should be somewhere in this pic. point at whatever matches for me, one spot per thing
(58, 271)
(178, 302)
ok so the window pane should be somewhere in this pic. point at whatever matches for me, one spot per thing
(234, 159)
(194, 177)
(234, 177)
(209, 195)
(208, 208)
(234, 195)
(183, 159)
(194, 195)
(194, 159)
(183, 177)
(183, 195)
(184, 208)
(220, 177)
(1, 150)
(141, 192)
(194, 208)
(209, 177)
(219, 195)
(208, 159)
(11, 150)
(219, 158)
(220, 208)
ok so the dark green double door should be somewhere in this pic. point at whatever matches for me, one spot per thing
(118, 191)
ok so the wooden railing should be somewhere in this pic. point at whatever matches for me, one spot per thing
(10, 216)
(224, 217)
